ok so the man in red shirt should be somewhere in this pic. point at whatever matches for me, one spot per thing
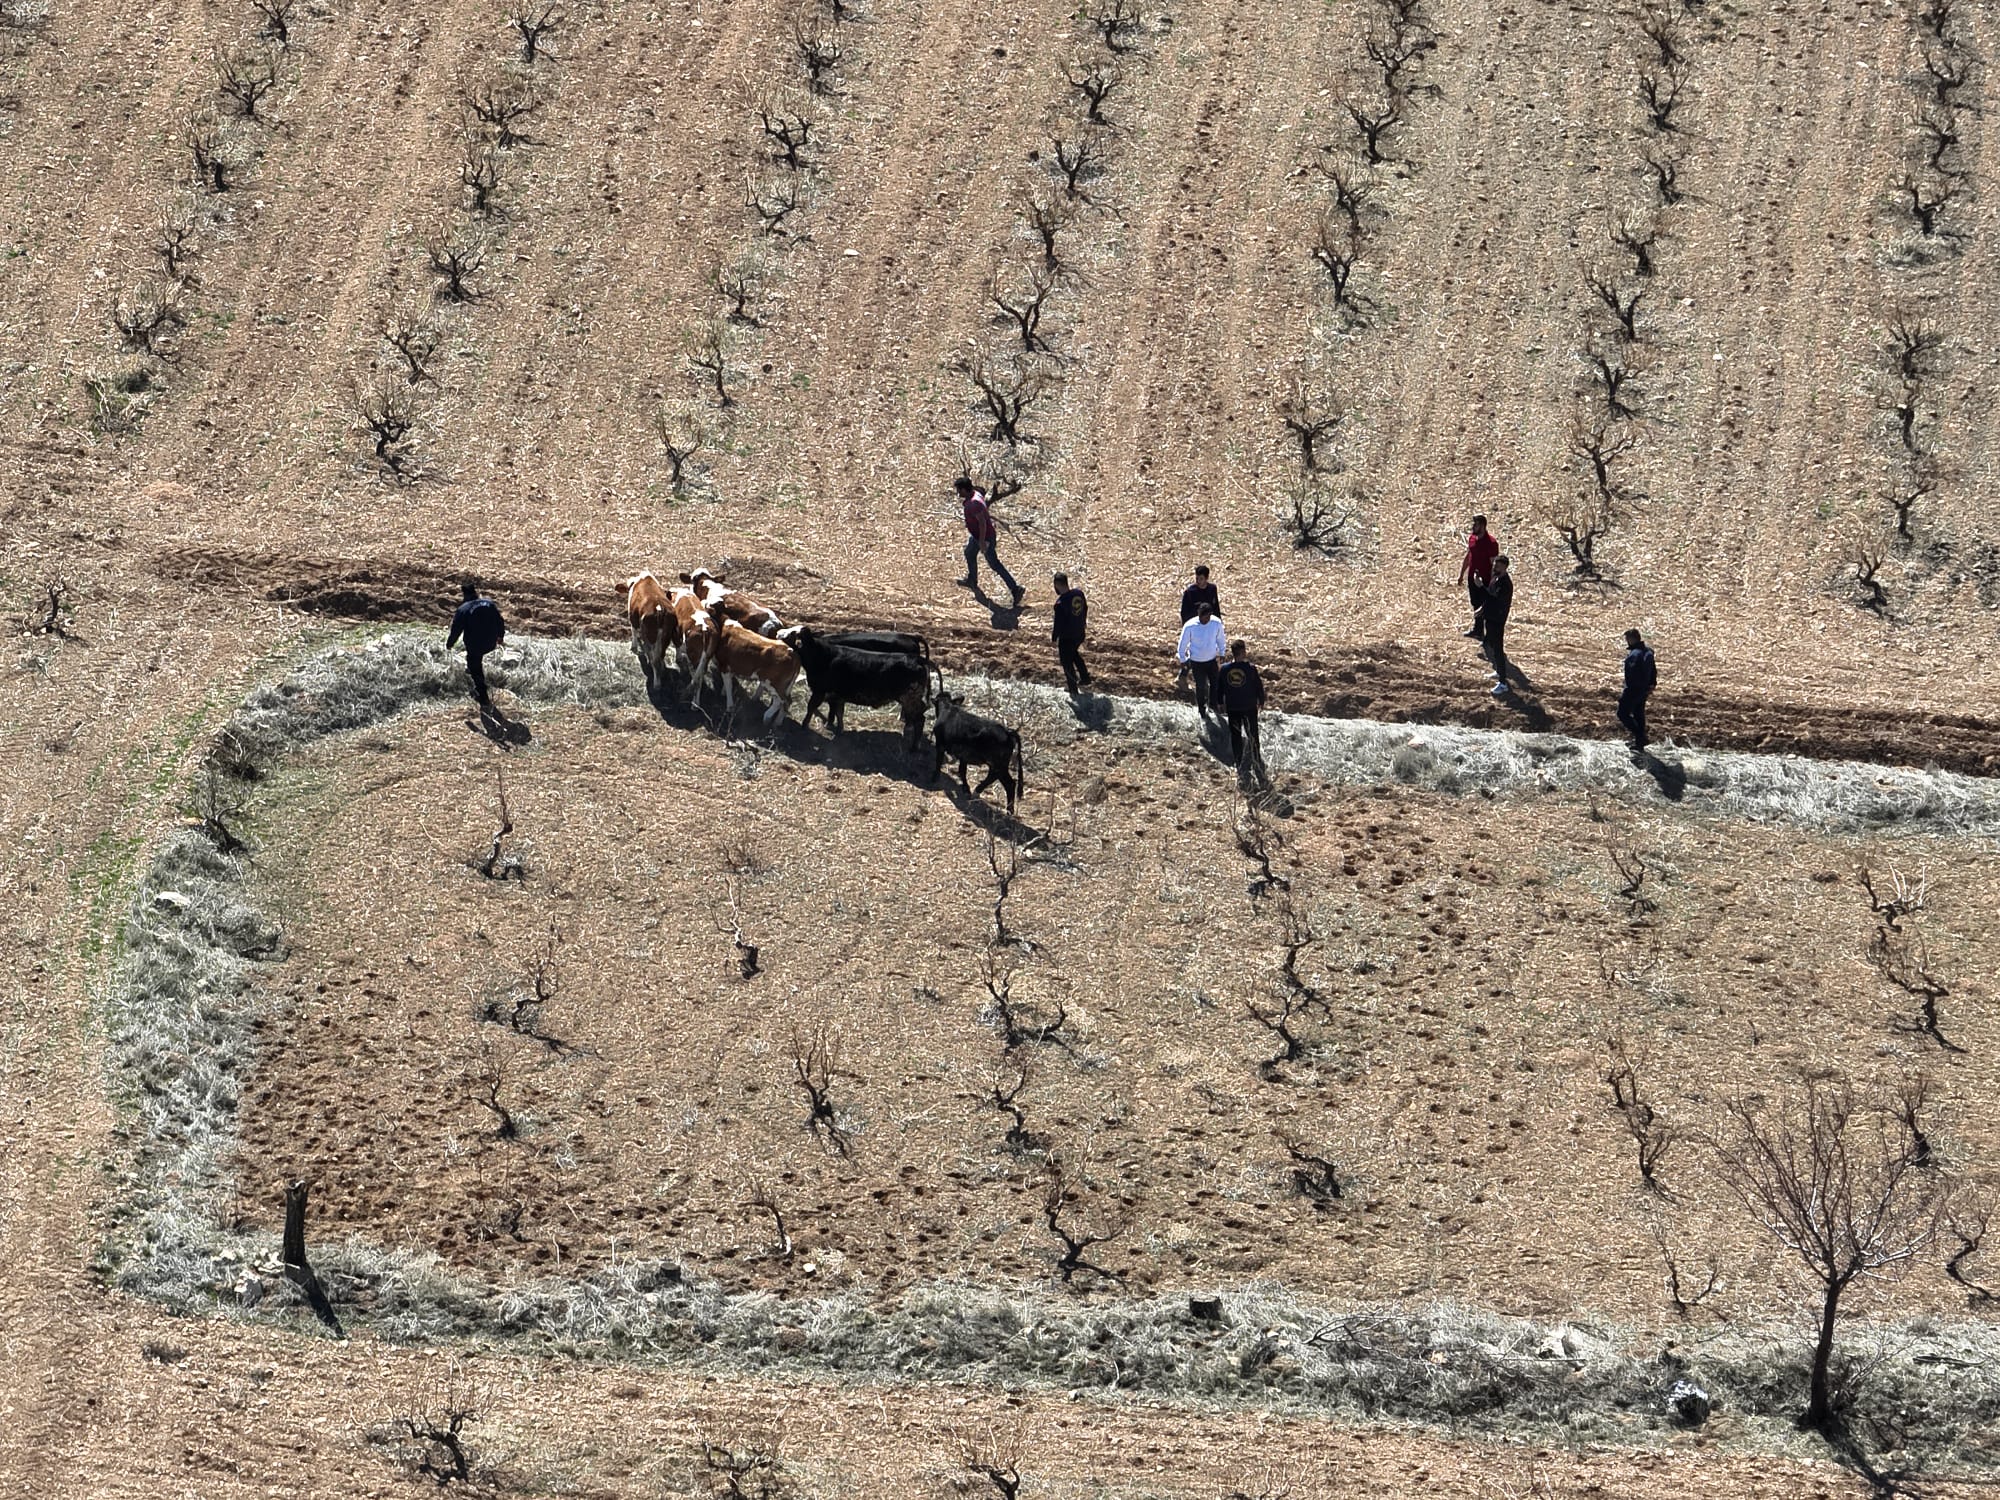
(1477, 570)
(981, 536)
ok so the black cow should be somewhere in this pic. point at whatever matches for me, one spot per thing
(839, 675)
(975, 741)
(893, 642)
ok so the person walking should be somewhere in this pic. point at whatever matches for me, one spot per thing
(1241, 689)
(981, 536)
(1477, 570)
(1642, 674)
(1196, 594)
(478, 621)
(1200, 651)
(1492, 616)
(1072, 610)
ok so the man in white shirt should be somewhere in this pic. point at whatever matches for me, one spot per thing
(1202, 648)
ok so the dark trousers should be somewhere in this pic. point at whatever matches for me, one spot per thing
(1496, 647)
(1475, 590)
(1242, 733)
(475, 668)
(1632, 714)
(973, 548)
(1204, 682)
(1075, 673)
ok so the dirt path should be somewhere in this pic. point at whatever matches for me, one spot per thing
(1385, 681)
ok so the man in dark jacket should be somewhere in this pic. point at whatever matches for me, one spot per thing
(478, 621)
(1072, 609)
(1641, 674)
(1193, 597)
(1492, 615)
(1241, 690)
(981, 536)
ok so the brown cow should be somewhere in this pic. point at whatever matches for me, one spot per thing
(746, 659)
(654, 627)
(732, 604)
(695, 635)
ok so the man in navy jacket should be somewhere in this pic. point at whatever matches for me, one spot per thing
(478, 621)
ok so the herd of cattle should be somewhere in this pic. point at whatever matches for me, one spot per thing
(716, 631)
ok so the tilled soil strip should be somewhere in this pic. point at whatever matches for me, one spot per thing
(1380, 681)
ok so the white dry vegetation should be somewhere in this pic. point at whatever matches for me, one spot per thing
(179, 1017)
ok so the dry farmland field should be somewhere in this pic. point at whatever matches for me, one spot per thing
(691, 1106)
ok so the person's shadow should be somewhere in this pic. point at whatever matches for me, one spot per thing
(1527, 709)
(1667, 776)
(1005, 616)
(505, 732)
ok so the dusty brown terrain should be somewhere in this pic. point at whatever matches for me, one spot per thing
(1476, 963)
(244, 500)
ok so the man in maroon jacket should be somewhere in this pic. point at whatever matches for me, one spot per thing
(1477, 571)
(981, 536)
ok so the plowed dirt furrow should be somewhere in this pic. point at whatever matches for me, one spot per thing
(1384, 680)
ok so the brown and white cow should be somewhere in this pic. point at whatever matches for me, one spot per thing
(747, 659)
(695, 634)
(732, 604)
(654, 627)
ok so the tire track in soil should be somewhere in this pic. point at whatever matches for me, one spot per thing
(1382, 680)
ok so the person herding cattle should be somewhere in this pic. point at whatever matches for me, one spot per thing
(1193, 597)
(478, 621)
(1071, 613)
(1492, 617)
(982, 536)
(1642, 675)
(1477, 570)
(1200, 651)
(1241, 689)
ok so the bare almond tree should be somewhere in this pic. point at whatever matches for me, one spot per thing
(817, 41)
(150, 317)
(1047, 214)
(775, 201)
(789, 129)
(1580, 517)
(456, 250)
(683, 432)
(1094, 81)
(501, 104)
(1077, 157)
(244, 75)
(479, 175)
(216, 159)
(387, 409)
(1336, 246)
(276, 18)
(1841, 1183)
(1008, 388)
(1020, 296)
(1311, 413)
(1117, 23)
(177, 238)
(534, 21)
(414, 332)
(1927, 195)
(1373, 120)
(1663, 91)
(708, 359)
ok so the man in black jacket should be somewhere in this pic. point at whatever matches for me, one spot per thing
(1072, 609)
(1497, 602)
(1642, 673)
(478, 621)
(1193, 597)
(1241, 690)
